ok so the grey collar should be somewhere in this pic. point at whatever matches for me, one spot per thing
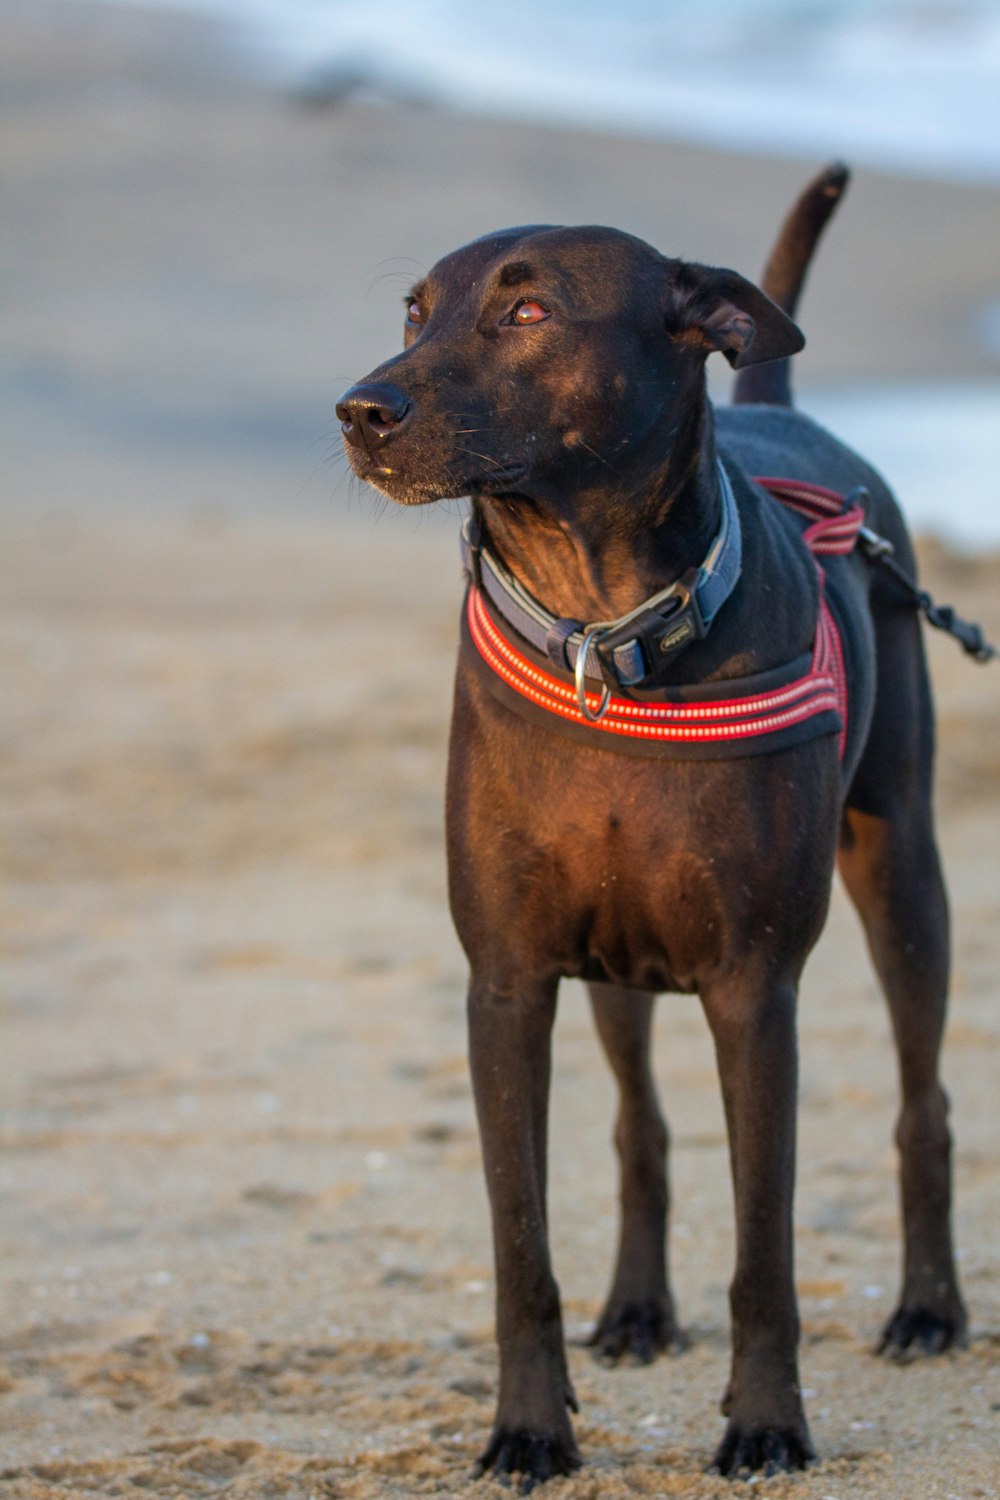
(628, 650)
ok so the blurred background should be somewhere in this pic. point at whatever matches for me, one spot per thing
(244, 1232)
(211, 211)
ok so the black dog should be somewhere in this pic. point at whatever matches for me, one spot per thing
(655, 801)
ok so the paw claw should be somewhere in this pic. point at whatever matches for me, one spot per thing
(917, 1332)
(530, 1457)
(641, 1330)
(775, 1450)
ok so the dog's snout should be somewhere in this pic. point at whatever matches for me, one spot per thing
(369, 413)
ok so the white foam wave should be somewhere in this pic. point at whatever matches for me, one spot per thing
(893, 83)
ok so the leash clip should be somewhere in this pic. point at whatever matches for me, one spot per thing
(942, 616)
(873, 545)
(580, 678)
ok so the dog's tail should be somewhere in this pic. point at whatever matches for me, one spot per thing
(785, 275)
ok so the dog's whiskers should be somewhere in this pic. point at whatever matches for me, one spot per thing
(599, 456)
(484, 456)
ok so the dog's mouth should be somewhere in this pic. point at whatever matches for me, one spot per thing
(411, 485)
(499, 483)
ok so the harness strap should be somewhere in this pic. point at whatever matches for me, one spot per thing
(807, 696)
(836, 522)
(817, 686)
(804, 699)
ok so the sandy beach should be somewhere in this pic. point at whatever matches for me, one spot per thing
(244, 1240)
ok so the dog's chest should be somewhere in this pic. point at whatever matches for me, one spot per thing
(656, 930)
(619, 870)
(659, 890)
(643, 895)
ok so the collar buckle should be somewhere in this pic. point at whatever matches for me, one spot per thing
(637, 645)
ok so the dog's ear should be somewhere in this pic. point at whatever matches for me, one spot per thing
(710, 308)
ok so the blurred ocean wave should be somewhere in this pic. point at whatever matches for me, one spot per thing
(907, 85)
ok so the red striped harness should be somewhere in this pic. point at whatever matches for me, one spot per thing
(751, 714)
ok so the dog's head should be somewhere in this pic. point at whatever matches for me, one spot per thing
(543, 360)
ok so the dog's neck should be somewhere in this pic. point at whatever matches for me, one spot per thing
(620, 542)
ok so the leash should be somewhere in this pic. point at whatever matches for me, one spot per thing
(881, 553)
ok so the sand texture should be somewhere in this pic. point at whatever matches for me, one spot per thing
(246, 1246)
(245, 1243)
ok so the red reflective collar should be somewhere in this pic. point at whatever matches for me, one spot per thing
(752, 714)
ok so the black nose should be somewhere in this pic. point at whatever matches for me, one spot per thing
(369, 413)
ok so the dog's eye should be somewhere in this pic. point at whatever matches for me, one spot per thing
(529, 312)
(414, 310)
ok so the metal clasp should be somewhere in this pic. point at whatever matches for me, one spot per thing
(580, 678)
(873, 545)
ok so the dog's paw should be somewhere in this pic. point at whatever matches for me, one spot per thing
(919, 1333)
(773, 1450)
(636, 1330)
(529, 1457)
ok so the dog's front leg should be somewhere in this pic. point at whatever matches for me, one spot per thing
(509, 1048)
(754, 1032)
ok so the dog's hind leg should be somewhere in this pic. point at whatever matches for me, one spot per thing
(638, 1317)
(889, 862)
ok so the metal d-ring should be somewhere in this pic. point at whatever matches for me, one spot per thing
(580, 677)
